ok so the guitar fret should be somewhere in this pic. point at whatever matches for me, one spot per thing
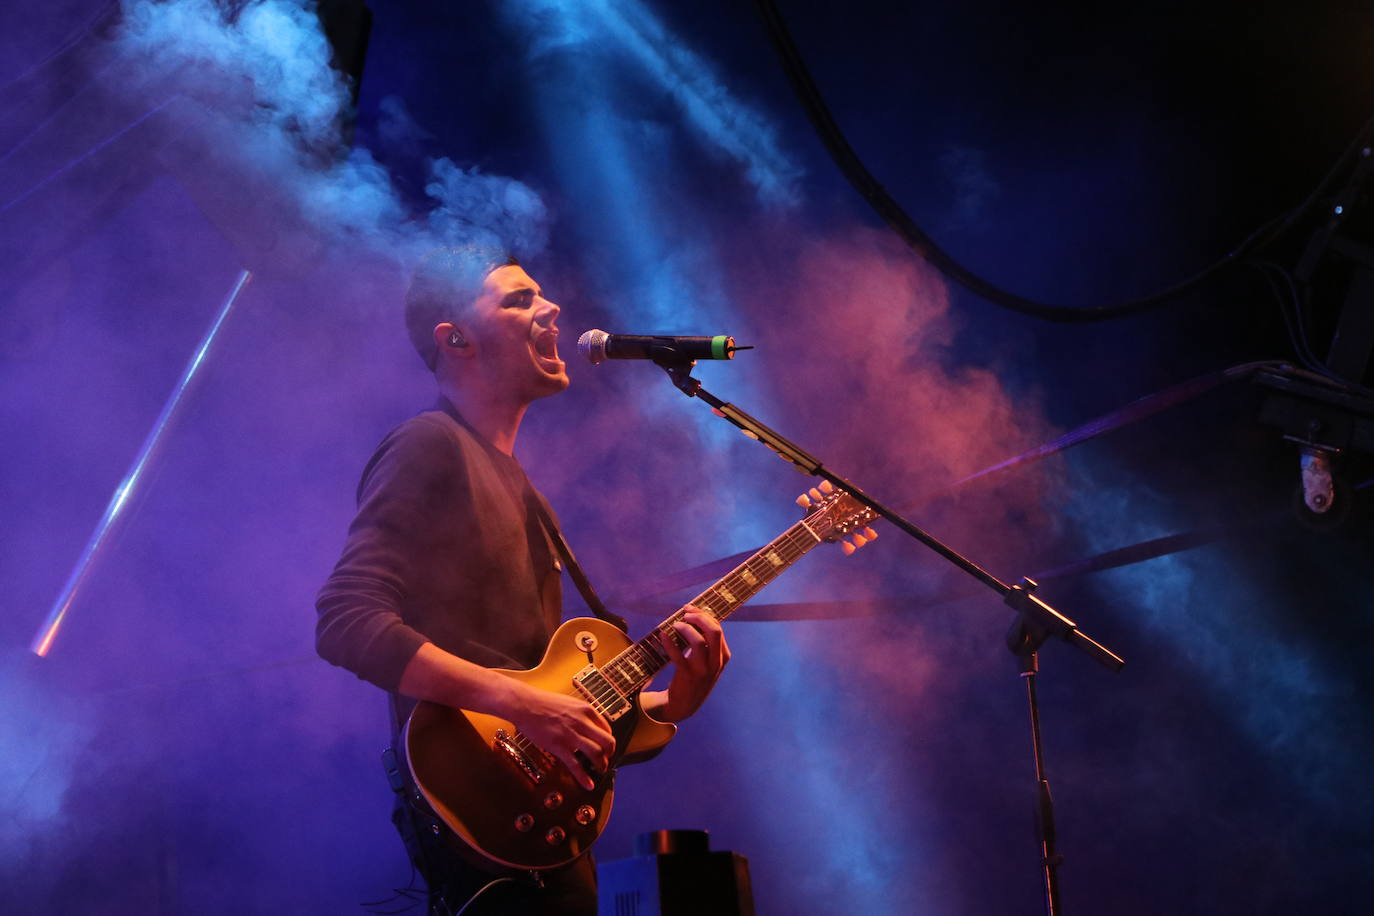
(603, 695)
(637, 664)
(638, 669)
(672, 635)
(746, 582)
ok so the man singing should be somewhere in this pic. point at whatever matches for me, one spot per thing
(447, 571)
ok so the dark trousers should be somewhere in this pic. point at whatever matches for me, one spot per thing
(453, 881)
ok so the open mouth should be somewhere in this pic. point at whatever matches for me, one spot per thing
(545, 348)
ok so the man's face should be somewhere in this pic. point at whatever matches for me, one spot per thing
(512, 329)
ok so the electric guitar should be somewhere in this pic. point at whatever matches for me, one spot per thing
(514, 805)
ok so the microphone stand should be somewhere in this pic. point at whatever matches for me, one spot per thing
(1035, 621)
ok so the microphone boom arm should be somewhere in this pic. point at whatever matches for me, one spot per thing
(1036, 619)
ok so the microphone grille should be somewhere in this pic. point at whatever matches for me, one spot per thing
(592, 344)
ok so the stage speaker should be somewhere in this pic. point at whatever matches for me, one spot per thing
(675, 873)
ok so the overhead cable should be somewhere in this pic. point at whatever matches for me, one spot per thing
(901, 222)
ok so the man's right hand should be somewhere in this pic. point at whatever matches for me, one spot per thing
(566, 727)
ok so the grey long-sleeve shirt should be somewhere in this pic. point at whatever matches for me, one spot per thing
(444, 549)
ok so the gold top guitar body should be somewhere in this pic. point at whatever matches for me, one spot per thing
(513, 805)
(505, 798)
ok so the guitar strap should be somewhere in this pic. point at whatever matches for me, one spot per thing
(535, 504)
(584, 585)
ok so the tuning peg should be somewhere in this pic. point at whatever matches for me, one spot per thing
(815, 494)
(870, 534)
(827, 487)
(859, 539)
(848, 548)
(804, 501)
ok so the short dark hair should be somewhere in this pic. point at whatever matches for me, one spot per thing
(443, 285)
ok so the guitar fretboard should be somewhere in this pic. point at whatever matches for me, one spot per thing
(629, 671)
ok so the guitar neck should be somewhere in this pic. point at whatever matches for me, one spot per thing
(632, 669)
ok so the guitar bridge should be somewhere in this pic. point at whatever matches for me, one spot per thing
(601, 693)
(507, 743)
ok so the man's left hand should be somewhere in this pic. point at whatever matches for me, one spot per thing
(695, 668)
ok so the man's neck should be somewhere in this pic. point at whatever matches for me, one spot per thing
(496, 419)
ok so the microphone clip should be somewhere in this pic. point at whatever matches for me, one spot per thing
(679, 370)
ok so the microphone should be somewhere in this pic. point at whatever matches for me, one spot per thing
(598, 346)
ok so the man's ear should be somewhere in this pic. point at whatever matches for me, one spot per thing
(448, 338)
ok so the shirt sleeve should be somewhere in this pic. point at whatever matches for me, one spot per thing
(414, 473)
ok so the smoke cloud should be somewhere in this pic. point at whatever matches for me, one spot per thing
(182, 697)
(267, 100)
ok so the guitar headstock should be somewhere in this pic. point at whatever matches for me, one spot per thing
(834, 515)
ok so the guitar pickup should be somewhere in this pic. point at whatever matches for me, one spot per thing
(522, 760)
(600, 693)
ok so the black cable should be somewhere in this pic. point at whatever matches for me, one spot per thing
(1299, 320)
(897, 218)
(1285, 296)
(1267, 270)
(1289, 296)
(410, 892)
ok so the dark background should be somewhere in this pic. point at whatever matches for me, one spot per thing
(181, 749)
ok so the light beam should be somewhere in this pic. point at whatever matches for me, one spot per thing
(43, 641)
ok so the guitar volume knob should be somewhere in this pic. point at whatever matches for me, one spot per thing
(555, 836)
(553, 800)
(585, 814)
(524, 823)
